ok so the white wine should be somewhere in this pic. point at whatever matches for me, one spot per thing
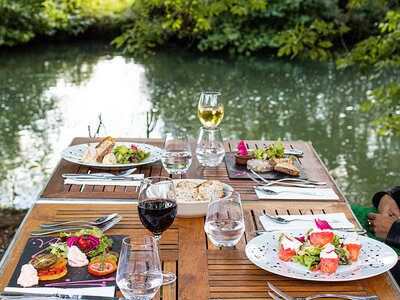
(211, 116)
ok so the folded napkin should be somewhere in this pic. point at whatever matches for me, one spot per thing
(296, 193)
(336, 220)
(102, 181)
(108, 291)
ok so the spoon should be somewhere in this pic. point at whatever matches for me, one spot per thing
(100, 175)
(97, 222)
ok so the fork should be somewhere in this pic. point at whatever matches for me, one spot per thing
(281, 220)
(271, 192)
(307, 181)
(343, 296)
(268, 183)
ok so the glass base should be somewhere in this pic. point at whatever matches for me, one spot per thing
(168, 277)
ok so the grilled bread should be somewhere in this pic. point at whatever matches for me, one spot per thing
(97, 154)
(274, 161)
(207, 188)
(287, 168)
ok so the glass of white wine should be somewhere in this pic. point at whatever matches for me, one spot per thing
(210, 109)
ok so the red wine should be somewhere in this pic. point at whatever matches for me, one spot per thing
(157, 215)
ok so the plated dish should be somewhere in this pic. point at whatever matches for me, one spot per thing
(196, 208)
(374, 258)
(75, 153)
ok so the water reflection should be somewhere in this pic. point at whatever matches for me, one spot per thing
(51, 94)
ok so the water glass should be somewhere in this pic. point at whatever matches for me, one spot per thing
(177, 156)
(224, 221)
(139, 269)
(210, 149)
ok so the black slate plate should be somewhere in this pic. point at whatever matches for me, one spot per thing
(239, 171)
(74, 277)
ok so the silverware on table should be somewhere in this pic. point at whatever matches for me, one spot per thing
(115, 178)
(343, 296)
(280, 220)
(358, 230)
(271, 192)
(286, 152)
(20, 295)
(96, 222)
(290, 179)
(77, 227)
(100, 175)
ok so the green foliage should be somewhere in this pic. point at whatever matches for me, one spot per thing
(22, 20)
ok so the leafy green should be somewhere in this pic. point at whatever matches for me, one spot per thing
(125, 155)
(344, 255)
(274, 150)
(61, 248)
(310, 261)
(335, 241)
(308, 249)
(260, 154)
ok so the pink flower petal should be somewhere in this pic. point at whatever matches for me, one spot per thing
(242, 148)
(322, 224)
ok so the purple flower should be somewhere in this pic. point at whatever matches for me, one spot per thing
(242, 148)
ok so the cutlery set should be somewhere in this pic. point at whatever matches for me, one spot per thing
(48, 228)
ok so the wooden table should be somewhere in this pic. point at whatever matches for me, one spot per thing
(204, 271)
(55, 188)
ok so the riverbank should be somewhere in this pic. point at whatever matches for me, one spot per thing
(9, 222)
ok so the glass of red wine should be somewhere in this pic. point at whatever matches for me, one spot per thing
(157, 209)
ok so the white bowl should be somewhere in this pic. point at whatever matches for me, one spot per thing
(198, 208)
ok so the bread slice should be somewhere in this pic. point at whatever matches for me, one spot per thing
(207, 188)
(97, 154)
(188, 194)
(287, 168)
(186, 183)
(274, 161)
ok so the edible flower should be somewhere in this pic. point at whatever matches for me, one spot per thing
(322, 224)
(85, 242)
(242, 148)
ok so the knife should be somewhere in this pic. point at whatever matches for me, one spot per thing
(359, 230)
(65, 228)
(20, 295)
(115, 178)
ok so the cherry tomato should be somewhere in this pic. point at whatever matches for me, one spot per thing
(43, 261)
(84, 242)
(102, 266)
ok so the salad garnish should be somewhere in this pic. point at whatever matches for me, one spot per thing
(275, 150)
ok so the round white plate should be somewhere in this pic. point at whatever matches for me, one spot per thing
(374, 259)
(198, 208)
(75, 153)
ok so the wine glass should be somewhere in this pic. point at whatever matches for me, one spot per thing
(177, 156)
(139, 273)
(157, 209)
(210, 109)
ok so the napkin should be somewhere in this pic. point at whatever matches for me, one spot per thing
(295, 193)
(343, 222)
(108, 291)
(96, 181)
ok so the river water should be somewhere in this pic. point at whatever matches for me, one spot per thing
(52, 93)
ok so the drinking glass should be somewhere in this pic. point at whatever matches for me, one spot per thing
(210, 109)
(177, 156)
(139, 269)
(224, 221)
(157, 208)
(210, 147)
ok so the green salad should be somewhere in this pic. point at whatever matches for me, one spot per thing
(274, 150)
(124, 155)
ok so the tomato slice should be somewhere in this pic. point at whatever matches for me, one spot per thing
(109, 267)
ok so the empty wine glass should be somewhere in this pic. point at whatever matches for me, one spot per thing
(210, 109)
(177, 156)
(210, 147)
(157, 209)
(139, 269)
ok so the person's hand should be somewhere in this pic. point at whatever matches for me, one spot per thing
(388, 207)
(380, 225)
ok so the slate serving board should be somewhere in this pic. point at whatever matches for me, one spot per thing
(75, 278)
(240, 171)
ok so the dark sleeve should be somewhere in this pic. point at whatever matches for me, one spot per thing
(394, 192)
(393, 238)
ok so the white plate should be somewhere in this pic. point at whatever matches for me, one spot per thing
(198, 208)
(75, 153)
(374, 259)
